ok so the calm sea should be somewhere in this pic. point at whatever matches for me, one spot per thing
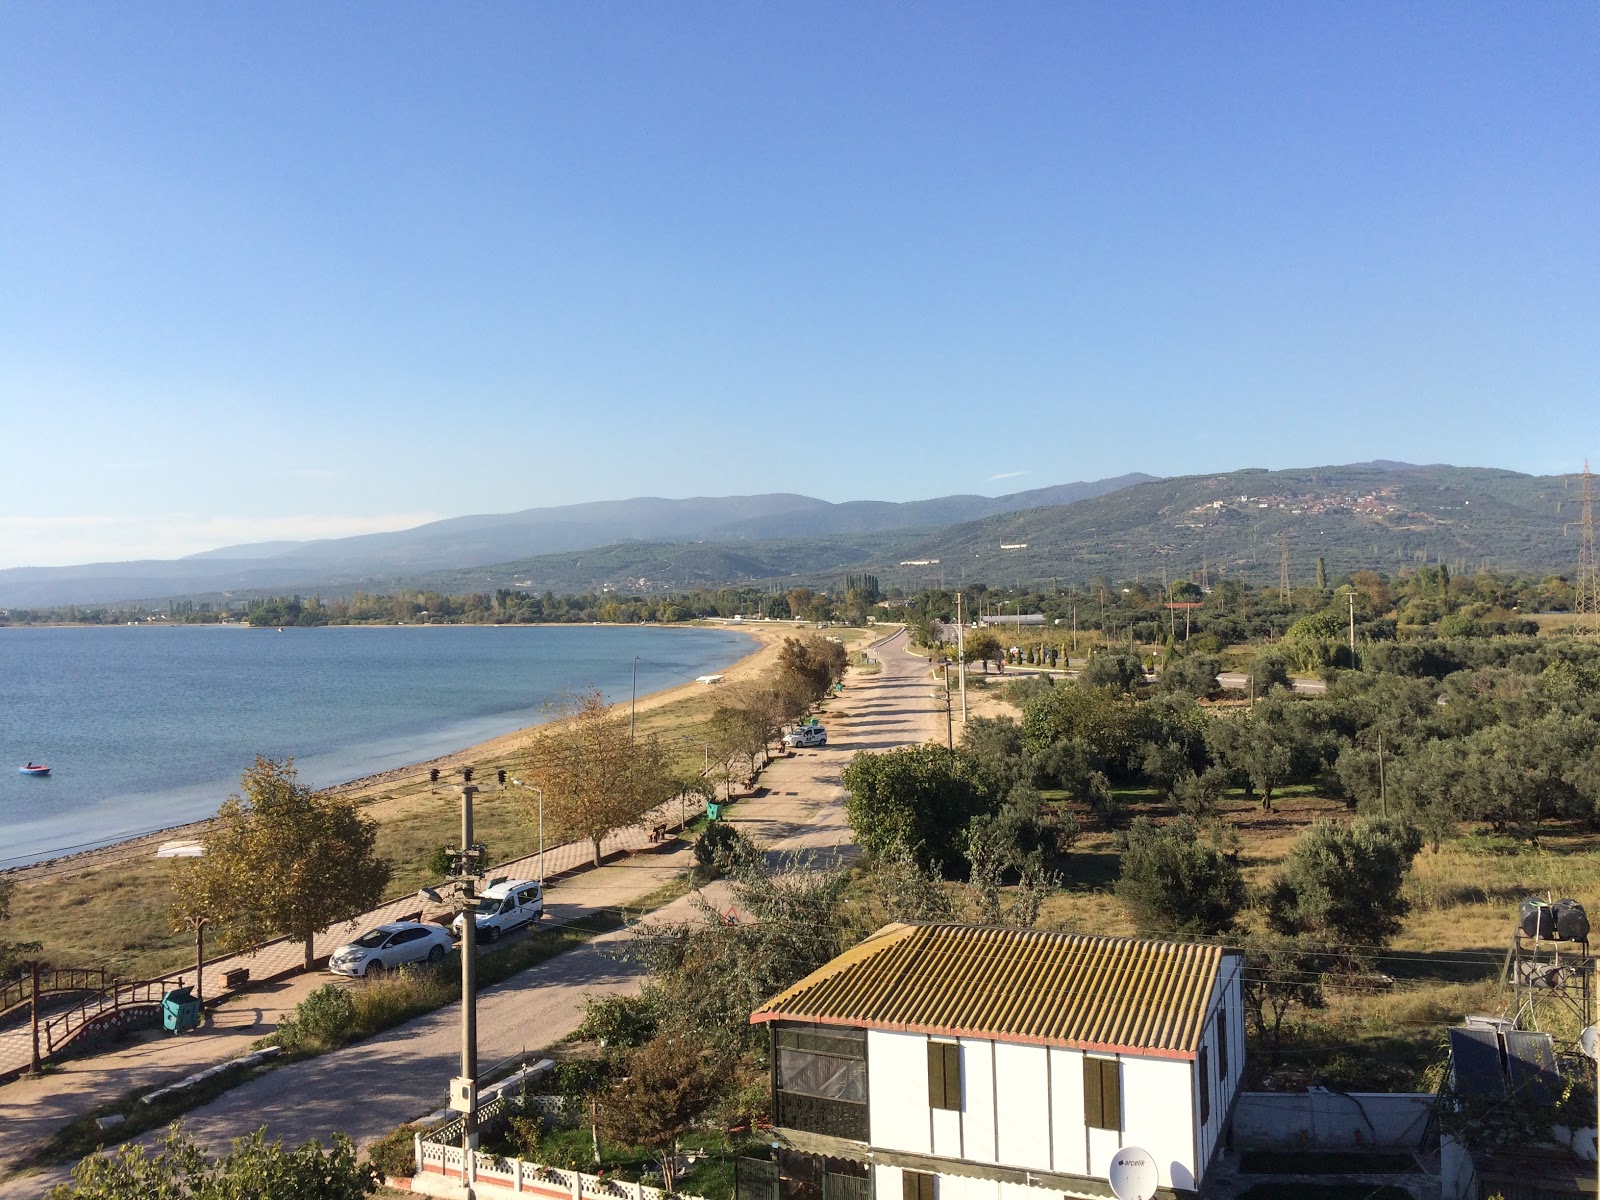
(148, 727)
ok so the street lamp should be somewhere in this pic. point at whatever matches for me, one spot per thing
(534, 788)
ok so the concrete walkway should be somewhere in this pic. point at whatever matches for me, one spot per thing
(367, 1089)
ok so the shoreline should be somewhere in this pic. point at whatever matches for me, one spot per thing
(766, 636)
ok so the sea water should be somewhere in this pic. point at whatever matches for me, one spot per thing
(150, 726)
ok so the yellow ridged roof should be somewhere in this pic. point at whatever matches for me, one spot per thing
(1018, 985)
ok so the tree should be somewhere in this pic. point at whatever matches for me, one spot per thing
(281, 859)
(254, 1169)
(596, 777)
(665, 1084)
(982, 647)
(1268, 670)
(917, 797)
(1174, 884)
(11, 952)
(1280, 975)
(1194, 676)
(1341, 885)
(1119, 669)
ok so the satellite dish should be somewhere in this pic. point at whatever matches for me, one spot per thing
(1589, 1039)
(1133, 1174)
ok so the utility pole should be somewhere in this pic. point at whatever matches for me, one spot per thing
(1283, 566)
(1383, 790)
(1352, 627)
(464, 1088)
(1586, 603)
(633, 710)
(961, 659)
(949, 735)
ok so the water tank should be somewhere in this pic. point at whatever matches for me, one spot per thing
(1538, 918)
(1572, 923)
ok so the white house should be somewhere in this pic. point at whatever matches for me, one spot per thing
(958, 1062)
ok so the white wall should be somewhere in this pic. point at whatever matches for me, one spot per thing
(1022, 1105)
(1158, 1115)
(897, 1093)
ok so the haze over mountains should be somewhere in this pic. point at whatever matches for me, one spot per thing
(1380, 515)
(465, 542)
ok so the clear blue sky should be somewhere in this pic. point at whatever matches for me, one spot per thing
(290, 270)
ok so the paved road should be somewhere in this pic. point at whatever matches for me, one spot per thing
(367, 1089)
(1239, 681)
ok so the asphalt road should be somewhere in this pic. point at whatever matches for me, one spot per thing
(367, 1089)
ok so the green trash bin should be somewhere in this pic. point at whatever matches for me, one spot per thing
(713, 810)
(180, 1010)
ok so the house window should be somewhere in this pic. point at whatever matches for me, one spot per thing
(1202, 1074)
(821, 1080)
(916, 1185)
(1222, 1047)
(944, 1075)
(1102, 1093)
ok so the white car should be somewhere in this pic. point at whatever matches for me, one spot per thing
(806, 736)
(504, 906)
(390, 946)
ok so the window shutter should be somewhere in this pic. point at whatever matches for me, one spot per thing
(1202, 1072)
(916, 1185)
(944, 1075)
(1111, 1092)
(1092, 1099)
(1222, 1047)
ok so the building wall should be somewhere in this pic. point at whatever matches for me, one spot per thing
(1022, 1106)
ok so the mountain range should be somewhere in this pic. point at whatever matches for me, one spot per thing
(1379, 515)
(461, 543)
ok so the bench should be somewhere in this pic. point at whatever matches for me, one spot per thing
(236, 978)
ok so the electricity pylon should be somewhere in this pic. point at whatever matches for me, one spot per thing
(1586, 601)
(1283, 566)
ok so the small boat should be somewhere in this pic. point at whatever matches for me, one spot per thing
(34, 768)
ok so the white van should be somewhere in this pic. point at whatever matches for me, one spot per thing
(505, 905)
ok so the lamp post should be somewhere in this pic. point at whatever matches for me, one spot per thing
(535, 788)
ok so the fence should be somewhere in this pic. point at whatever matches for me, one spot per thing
(1321, 1119)
(476, 1169)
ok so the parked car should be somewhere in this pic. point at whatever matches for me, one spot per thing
(504, 906)
(806, 736)
(390, 946)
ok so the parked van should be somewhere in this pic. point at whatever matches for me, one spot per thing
(504, 906)
(806, 736)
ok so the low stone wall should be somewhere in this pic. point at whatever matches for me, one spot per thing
(1320, 1119)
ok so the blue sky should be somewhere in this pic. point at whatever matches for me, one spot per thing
(292, 270)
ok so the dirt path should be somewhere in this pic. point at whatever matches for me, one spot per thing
(367, 1089)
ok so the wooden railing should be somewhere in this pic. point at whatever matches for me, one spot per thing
(55, 980)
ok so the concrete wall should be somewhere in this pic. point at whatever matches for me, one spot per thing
(1320, 1119)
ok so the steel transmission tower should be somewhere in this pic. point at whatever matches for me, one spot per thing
(1586, 602)
(1283, 566)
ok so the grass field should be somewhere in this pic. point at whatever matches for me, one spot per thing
(1446, 963)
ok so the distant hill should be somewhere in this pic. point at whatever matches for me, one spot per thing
(464, 543)
(1379, 515)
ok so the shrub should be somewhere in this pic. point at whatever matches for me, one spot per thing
(618, 1020)
(393, 1155)
(320, 1021)
(1173, 883)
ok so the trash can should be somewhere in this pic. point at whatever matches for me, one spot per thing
(180, 1010)
(713, 810)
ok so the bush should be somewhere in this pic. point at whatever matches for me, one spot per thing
(320, 1021)
(1173, 883)
(618, 1020)
(393, 1155)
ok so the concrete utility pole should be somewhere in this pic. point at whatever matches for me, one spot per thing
(961, 658)
(464, 1091)
(1352, 627)
(633, 710)
(949, 736)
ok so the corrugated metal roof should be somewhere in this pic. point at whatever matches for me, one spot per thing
(1020, 985)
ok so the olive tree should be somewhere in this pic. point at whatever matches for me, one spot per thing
(281, 860)
(1175, 884)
